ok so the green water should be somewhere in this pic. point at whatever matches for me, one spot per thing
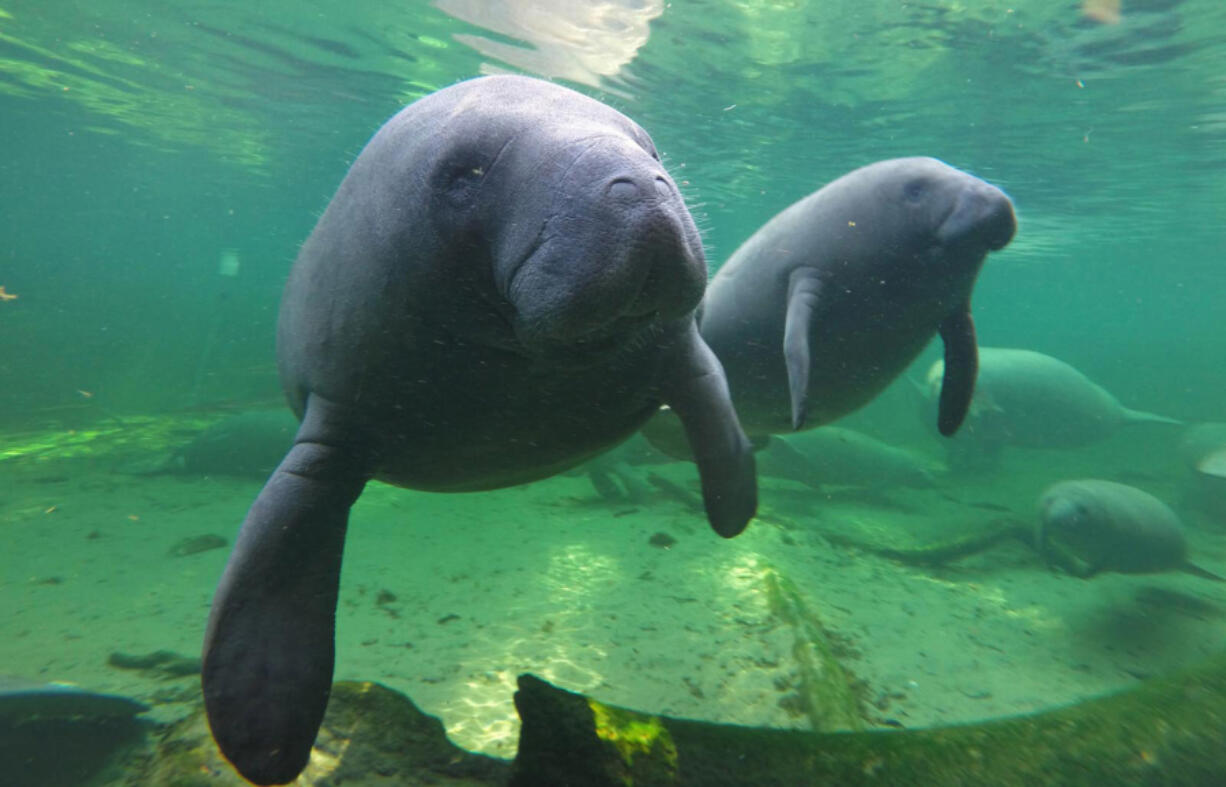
(162, 161)
(143, 139)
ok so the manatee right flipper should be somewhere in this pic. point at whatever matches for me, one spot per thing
(804, 293)
(961, 369)
(697, 392)
(269, 647)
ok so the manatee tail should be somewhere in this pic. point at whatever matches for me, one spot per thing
(1213, 463)
(1197, 571)
(1142, 417)
(269, 649)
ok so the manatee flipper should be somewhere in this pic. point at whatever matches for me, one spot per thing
(961, 367)
(697, 391)
(804, 292)
(269, 649)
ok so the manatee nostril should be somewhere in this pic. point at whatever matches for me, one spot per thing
(623, 188)
(662, 188)
(1001, 221)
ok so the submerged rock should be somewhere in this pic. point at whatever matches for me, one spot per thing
(1166, 731)
(53, 734)
(370, 736)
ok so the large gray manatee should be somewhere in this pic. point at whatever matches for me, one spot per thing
(831, 299)
(502, 287)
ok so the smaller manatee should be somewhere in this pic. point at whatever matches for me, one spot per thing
(247, 445)
(835, 455)
(1203, 449)
(1203, 452)
(1090, 525)
(1025, 398)
(830, 300)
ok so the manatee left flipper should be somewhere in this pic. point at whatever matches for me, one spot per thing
(697, 391)
(804, 293)
(269, 647)
(961, 368)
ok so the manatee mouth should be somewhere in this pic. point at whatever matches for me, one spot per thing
(512, 276)
(557, 323)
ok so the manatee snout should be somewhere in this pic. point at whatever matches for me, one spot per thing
(982, 215)
(653, 254)
(1059, 515)
(663, 262)
(618, 250)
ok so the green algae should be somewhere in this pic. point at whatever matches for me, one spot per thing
(1168, 731)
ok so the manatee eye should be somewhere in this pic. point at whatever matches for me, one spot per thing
(914, 190)
(460, 179)
(644, 141)
(1080, 514)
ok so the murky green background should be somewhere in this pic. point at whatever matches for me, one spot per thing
(161, 162)
(142, 140)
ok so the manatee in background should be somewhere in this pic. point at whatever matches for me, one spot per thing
(502, 287)
(1202, 448)
(834, 455)
(613, 475)
(1087, 526)
(835, 296)
(249, 444)
(1029, 399)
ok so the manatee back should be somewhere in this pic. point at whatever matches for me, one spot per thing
(1045, 402)
(845, 456)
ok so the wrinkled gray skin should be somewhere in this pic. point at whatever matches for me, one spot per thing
(1025, 398)
(502, 287)
(831, 299)
(834, 455)
(1107, 526)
